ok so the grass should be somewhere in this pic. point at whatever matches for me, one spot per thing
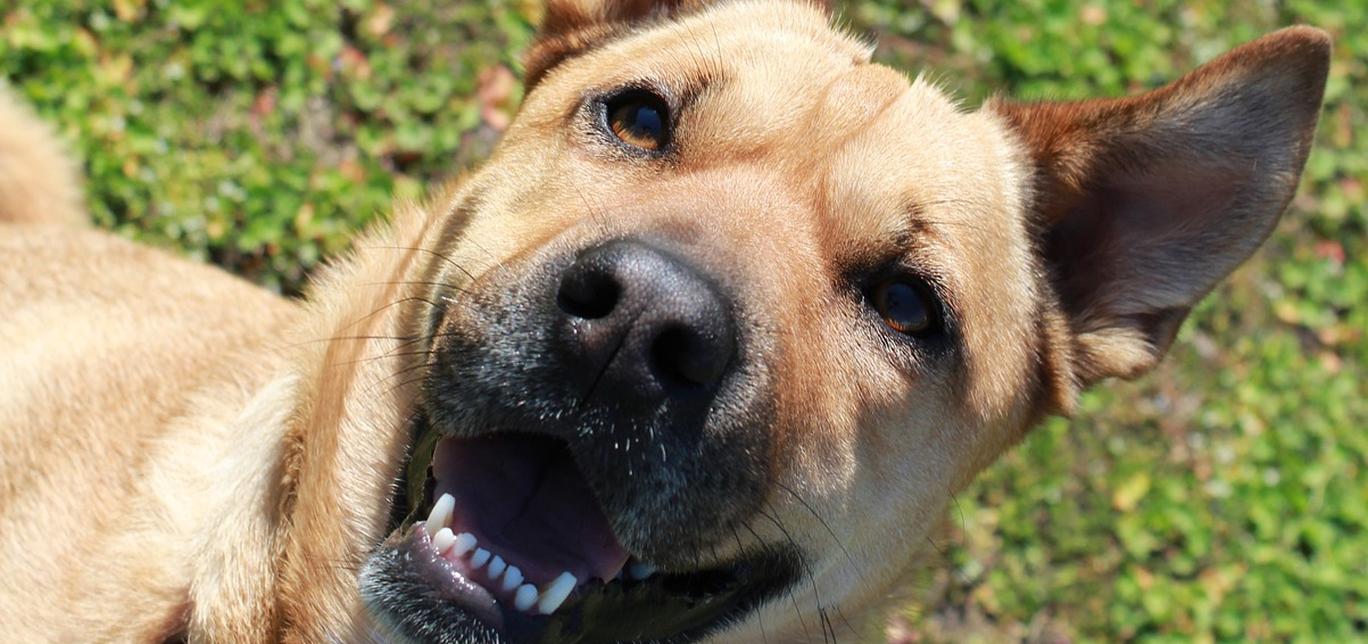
(1223, 497)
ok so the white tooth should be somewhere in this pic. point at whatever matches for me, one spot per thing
(526, 597)
(480, 559)
(556, 592)
(465, 542)
(640, 570)
(496, 567)
(442, 540)
(441, 513)
(511, 579)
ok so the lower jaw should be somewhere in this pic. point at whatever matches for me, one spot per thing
(416, 593)
(410, 586)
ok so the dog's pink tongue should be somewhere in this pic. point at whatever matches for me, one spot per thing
(524, 499)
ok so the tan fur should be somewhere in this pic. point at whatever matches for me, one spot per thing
(38, 181)
(182, 454)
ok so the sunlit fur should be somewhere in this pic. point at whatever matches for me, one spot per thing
(38, 180)
(182, 453)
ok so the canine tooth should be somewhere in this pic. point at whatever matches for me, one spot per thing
(639, 570)
(441, 513)
(465, 542)
(555, 593)
(512, 578)
(526, 597)
(442, 540)
(480, 559)
(496, 567)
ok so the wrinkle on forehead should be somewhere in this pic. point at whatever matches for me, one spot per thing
(893, 167)
(764, 109)
(850, 101)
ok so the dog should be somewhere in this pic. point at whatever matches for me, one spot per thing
(699, 354)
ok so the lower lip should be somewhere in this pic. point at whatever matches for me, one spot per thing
(447, 579)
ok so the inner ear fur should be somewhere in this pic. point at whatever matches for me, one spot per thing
(1143, 204)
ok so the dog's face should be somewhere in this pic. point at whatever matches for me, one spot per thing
(732, 312)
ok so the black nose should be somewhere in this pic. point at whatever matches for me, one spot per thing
(644, 324)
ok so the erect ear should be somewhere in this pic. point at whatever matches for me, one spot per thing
(1144, 204)
(572, 27)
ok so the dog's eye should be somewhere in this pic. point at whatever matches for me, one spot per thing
(906, 306)
(640, 119)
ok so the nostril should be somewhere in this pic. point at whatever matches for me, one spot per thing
(588, 294)
(670, 357)
(686, 361)
(648, 321)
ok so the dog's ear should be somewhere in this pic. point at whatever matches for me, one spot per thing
(1144, 204)
(572, 27)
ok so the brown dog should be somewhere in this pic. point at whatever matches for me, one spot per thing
(730, 313)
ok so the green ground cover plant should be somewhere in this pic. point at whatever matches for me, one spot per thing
(1224, 497)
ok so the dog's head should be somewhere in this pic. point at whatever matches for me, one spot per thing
(708, 344)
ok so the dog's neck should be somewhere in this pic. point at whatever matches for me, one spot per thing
(346, 373)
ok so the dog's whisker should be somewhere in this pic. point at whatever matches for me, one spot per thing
(379, 309)
(429, 251)
(336, 338)
(395, 351)
(848, 625)
(406, 370)
(403, 384)
(594, 211)
(331, 564)
(480, 247)
(827, 627)
(416, 366)
(936, 547)
(798, 611)
(404, 341)
(417, 283)
(840, 544)
(759, 614)
(802, 558)
(401, 354)
(400, 301)
(392, 351)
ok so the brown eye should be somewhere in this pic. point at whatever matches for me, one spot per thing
(640, 119)
(906, 306)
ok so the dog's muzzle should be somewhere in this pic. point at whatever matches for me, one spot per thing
(595, 434)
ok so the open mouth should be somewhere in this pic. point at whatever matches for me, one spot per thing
(509, 544)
